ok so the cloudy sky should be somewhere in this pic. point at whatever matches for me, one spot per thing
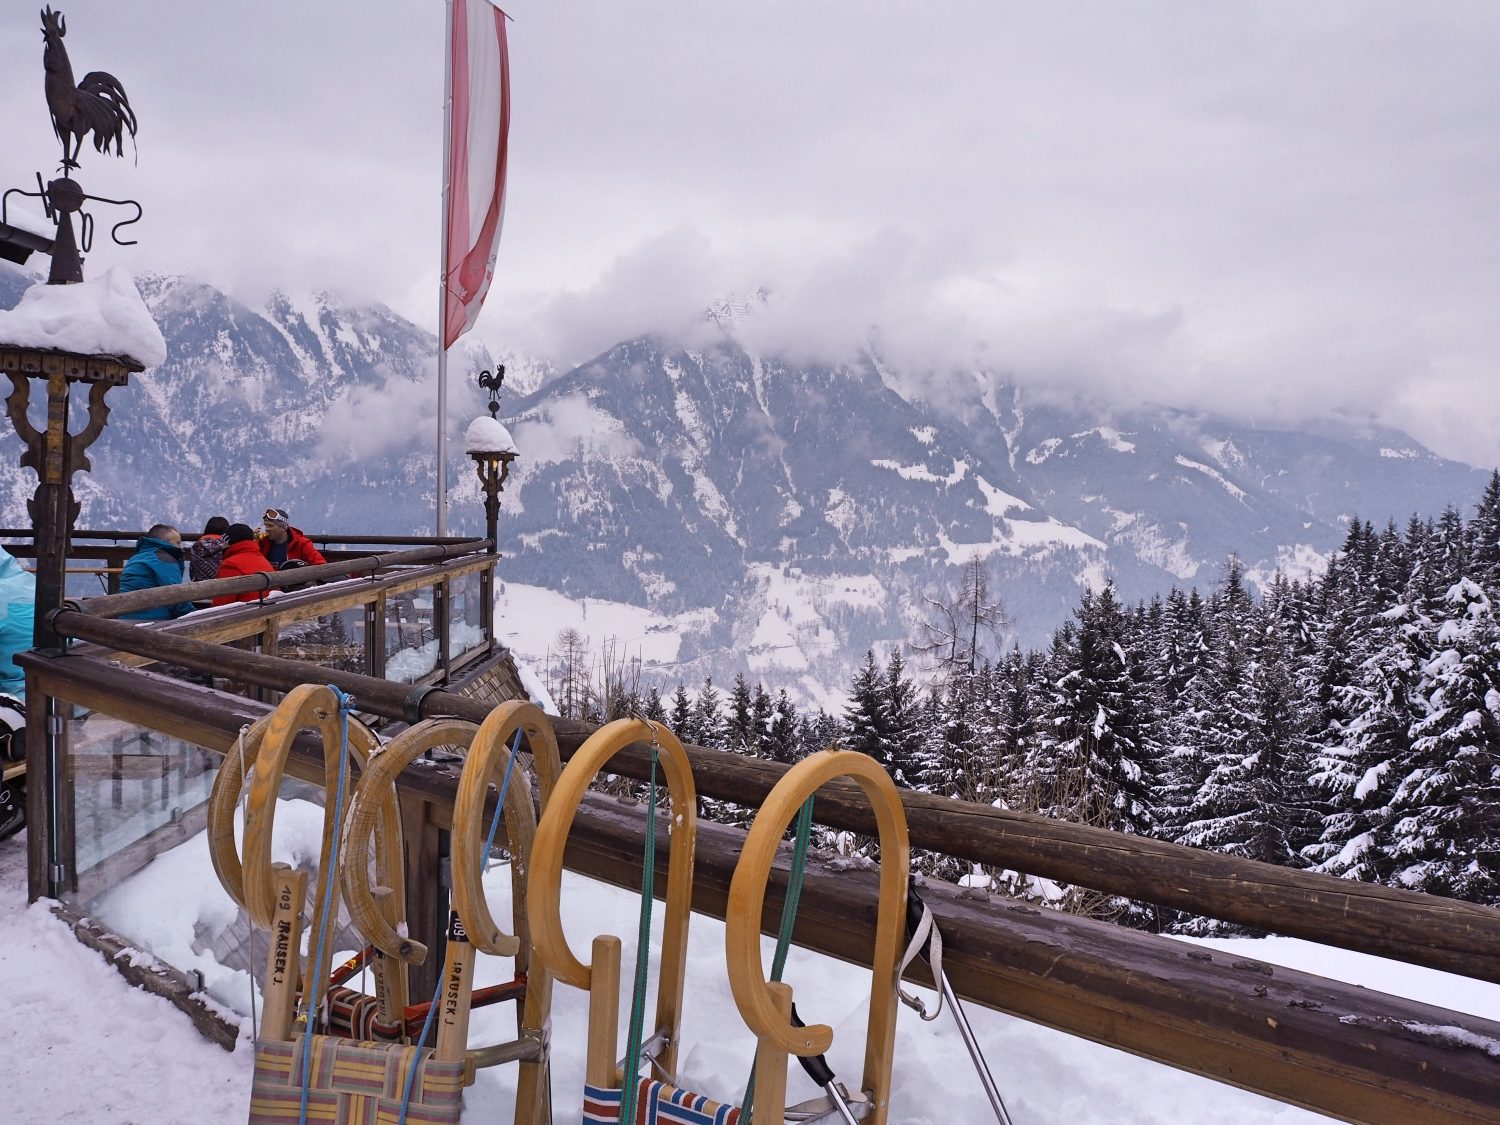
(1278, 209)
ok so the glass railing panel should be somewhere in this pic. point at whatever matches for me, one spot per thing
(335, 640)
(139, 806)
(411, 642)
(465, 622)
(130, 787)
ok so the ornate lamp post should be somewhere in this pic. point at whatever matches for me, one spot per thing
(97, 334)
(65, 332)
(490, 446)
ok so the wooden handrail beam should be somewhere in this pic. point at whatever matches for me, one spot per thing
(116, 605)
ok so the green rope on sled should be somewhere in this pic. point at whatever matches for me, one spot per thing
(789, 906)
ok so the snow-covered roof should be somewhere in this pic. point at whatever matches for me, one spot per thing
(104, 316)
(487, 435)
(29, 221)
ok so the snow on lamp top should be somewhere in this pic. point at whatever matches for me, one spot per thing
(105, 316)
(487, 435)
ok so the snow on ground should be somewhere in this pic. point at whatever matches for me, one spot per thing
(922, 472)
(82, 1045)
(1017, 539)
(87, 1047)
(528, 619)
(998, 502)
(1110, 437)
(791, 632)
(1295, 563)
(1149, 543)
(1214, 475)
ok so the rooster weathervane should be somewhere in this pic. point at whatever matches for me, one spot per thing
(97, 105)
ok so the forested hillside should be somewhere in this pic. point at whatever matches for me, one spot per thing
(1348, 723)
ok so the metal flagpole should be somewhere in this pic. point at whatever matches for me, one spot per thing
(442, 371)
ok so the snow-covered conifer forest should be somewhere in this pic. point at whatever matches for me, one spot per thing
(1348, 722)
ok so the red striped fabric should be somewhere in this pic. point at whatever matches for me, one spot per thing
(657, 1104)
(478, 132)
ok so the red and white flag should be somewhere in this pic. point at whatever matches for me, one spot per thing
(478, 125)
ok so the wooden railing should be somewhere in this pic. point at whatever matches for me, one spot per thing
(1338, 1049)
(111, 549)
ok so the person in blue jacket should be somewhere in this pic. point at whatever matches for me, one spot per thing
(157, 562)
(18, 596)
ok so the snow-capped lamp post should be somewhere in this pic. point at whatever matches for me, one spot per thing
(69, 331)
(489, 443)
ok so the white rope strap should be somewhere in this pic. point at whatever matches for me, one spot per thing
(926, 934)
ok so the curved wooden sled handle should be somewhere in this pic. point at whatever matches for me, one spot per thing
(224, 800)
(544, 898)
(487, 762)
(265, 748)
(753, 994)
(377, 791)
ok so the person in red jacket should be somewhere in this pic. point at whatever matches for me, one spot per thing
(241, 556)
(283, 543)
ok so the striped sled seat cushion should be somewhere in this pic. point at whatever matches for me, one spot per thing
(353, 1084)
(657, 1104)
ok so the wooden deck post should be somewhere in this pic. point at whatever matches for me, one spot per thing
(426, 892)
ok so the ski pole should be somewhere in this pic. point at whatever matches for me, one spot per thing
(974, 1053)
(817, 1068)
(916, 912)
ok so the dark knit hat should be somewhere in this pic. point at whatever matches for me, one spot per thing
(238, 533)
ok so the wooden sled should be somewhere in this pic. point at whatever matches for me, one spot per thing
(601, 977)
(470, 924)
(264, 750)
(331, 1077)
(336, 1078)
(766, 1006)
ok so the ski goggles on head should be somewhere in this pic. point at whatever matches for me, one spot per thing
(276, 515)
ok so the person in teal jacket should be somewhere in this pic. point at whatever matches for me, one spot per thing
(157, 562)
(18, 595)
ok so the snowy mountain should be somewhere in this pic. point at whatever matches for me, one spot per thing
(781, 517)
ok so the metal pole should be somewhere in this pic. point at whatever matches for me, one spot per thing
(442, 327)
(974, 1052)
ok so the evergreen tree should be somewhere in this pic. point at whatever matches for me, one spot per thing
(708, 722)
(761, 709)
(681, 720)
(1446, 805)
(1359, 773)
(1017, 725)
(1254, 803)
(866, 719)
(782, 744)
(739, 732)
(821, 732)
(1105, 775)
(933, 773)
(1486, 537)
(652, 709)
(903, 724)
